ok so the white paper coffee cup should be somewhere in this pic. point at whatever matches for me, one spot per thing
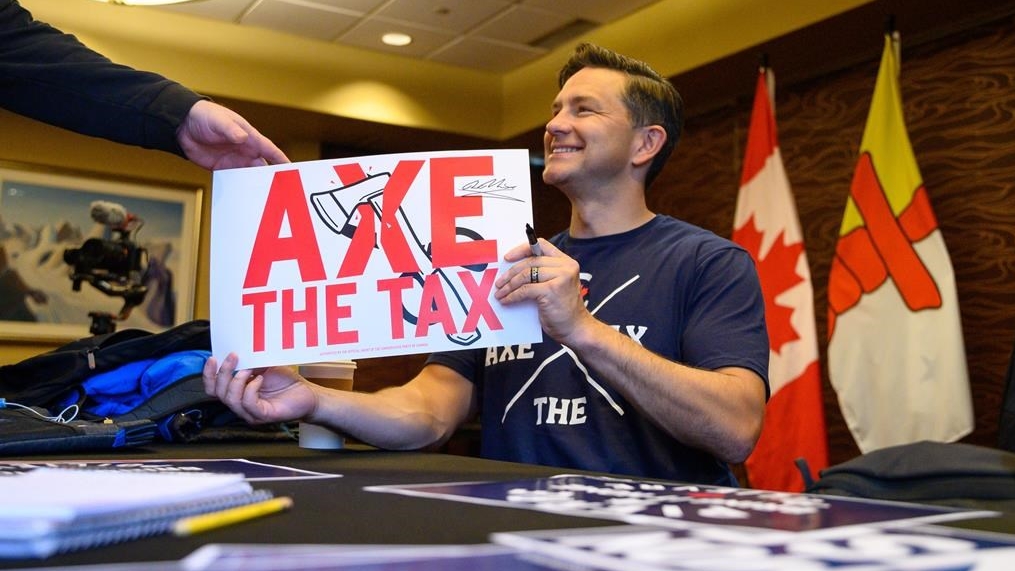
(335, 375)
(319, 437)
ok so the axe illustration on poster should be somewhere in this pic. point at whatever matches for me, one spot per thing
(370, 193)
(367, 256)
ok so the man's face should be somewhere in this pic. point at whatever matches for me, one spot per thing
(589, 139)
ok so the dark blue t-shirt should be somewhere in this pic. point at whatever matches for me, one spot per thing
(678, 290)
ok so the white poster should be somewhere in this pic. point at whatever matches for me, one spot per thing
(367, 257)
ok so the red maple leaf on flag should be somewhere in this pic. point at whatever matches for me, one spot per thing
(777, 272)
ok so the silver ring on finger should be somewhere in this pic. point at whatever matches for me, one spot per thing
(534, 275)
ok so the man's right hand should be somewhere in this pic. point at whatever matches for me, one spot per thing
(259, 396)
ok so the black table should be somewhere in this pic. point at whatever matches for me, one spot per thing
(336, 510)
(340, 511)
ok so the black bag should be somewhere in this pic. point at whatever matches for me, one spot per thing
(1006, 423)
(30, 431)
(952, 474)
(180, 411)
(45, 379)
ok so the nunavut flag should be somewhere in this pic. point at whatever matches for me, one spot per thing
(895, 355)
(767, 225)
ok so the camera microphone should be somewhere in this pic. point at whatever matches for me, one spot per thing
(109, 213)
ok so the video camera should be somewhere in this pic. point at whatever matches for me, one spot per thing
(114, 266)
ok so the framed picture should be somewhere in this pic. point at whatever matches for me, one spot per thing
(83, 253)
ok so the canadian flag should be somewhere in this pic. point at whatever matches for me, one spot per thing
(767, 225)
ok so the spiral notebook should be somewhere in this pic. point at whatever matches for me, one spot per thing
(54, 510)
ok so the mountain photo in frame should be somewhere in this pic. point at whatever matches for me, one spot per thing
(80, 251)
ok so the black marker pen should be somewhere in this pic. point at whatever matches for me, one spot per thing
(533, 243)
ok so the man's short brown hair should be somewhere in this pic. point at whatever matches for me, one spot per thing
(650, 98)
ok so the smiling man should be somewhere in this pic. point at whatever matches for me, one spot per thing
(655, 353)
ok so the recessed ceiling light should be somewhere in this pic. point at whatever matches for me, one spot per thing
(396, 39)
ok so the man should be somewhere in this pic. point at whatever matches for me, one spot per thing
(50, 76)
(655, 355)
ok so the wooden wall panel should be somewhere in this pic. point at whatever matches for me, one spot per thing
(959, 99)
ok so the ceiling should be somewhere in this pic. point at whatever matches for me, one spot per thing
(303, 90)
(236, 50)
(491, 35)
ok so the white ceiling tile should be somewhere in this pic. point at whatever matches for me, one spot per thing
(449, 15)
(481, 54)
(360, 6)
(228, 10)
(599, 11)
(368, 35)
(299, 19)
(521, 25)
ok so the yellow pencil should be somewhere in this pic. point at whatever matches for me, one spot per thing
(204, 522)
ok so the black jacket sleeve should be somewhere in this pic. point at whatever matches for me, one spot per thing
(50, 76)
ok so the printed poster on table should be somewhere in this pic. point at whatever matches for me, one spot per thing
(766, 515)
(252, 471)
(367, 257)
(861, 548)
